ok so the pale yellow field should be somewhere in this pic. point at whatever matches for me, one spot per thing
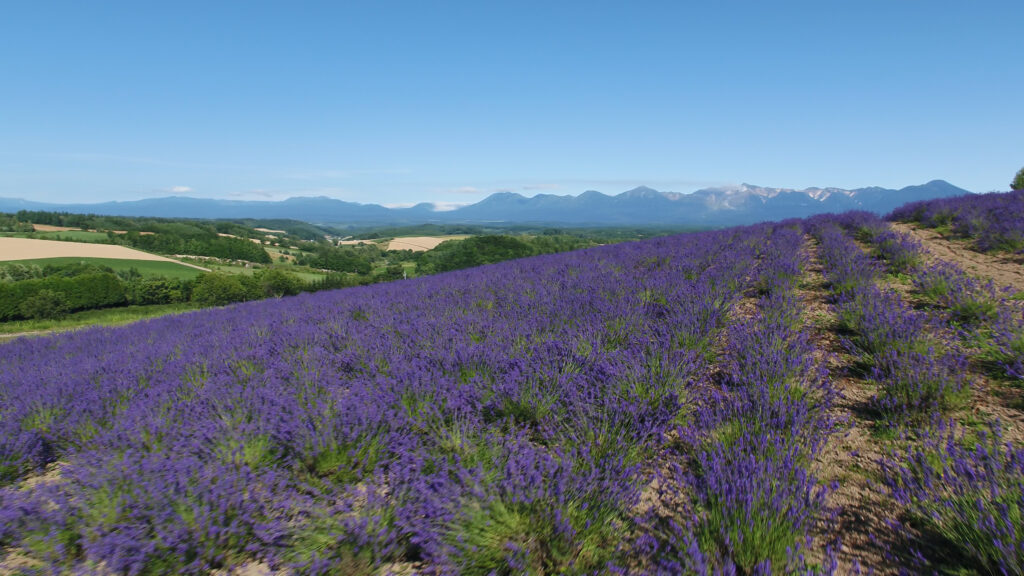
(48, 228)
(420, 243)
(29, 249)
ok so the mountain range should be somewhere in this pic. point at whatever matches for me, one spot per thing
(726, 206)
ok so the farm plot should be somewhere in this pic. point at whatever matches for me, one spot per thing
(420, 243)
(168, 268)
(660, 407)
(596, 411)
(30, 249)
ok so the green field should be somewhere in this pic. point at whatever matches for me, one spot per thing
(86, 318)
(145, 267)
(301, 271)
(306, 276)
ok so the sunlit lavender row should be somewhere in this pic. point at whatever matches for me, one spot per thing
(647, 408)
(992, 222)
(507, 419)
(964, 487)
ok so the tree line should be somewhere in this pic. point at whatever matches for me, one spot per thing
(161, 235)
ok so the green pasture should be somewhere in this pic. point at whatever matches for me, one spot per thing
(145, 267)
(86, 318)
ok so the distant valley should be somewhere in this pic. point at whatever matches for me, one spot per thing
(642, 206)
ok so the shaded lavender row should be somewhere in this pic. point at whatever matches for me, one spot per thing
(497, 419)
(993, 221)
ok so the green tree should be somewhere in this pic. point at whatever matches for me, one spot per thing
(45, 304)
(216, 289)
(475, 251)
(392, 272)
(157, 290)
(276, 283)
(1018, 181)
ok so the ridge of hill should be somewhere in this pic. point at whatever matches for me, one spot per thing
(723, 206)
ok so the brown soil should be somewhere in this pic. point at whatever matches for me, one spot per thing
(13, 563)
(852, 456)
(990, 400)
(1003, 269)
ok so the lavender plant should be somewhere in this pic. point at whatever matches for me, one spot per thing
(993, 222)
(969, 491)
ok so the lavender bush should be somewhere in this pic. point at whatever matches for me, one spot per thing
(969, 491)
(491, 420)
(993, 222)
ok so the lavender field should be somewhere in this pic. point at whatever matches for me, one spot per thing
(660, 407)
(992, 222)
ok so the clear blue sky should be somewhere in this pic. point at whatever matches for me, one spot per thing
(399, 102)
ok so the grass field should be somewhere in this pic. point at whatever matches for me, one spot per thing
(145, 267)
(88, 318)
(306, 276)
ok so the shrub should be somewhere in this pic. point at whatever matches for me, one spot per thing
(216, 289)
(45, 304)
(277, 283)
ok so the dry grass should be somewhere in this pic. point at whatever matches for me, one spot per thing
(48, 228)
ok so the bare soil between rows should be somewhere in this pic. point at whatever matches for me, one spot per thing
(1003, 269)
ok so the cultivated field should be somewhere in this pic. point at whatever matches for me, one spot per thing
(420, 243)
(827, 396)
(49, 228)
(30, 249)
(147, 268)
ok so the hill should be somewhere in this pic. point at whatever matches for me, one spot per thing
(745, 204)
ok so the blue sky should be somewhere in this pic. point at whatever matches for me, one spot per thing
(400, 102)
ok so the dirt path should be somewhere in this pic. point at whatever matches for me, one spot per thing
(1005, 270)
(852, 456)
(13, 335)
(990, 399)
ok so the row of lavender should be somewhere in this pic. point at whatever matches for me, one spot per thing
(901, 349)
(502, 419)
(739, 493)
(968, 489)
(993, 221)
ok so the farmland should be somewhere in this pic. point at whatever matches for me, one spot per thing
(166, 267)
(812, 397)
(31, 249)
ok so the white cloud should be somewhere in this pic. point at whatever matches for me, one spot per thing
(181, 189)
(448, 206)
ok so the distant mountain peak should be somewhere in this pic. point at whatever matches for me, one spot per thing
(643, 205)
(641, 192)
